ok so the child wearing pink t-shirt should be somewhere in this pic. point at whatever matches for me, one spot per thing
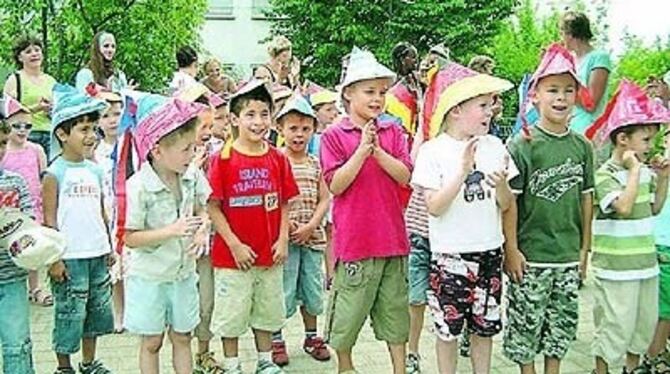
(365, 161)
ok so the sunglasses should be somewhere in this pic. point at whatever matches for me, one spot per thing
(22, 126)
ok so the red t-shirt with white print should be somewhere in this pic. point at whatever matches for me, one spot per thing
(251, 190)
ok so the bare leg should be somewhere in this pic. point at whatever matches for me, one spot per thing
(88, 350)
(660, 339)
(344, 362)
(447, 356)
(552, 365)
(230, 347)
(203, 346)
(632, 361)
(263, 340)
(63, 361)
(480, 354)
(149, 354)
(330, 264)
(416, 314)
(117, 294)
(397, 352)
(308, 320)
(181, 353)
(527, 368)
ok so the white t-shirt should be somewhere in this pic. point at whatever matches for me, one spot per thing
(180, 80)
(472, 223)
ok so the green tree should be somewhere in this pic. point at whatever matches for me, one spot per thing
(325, 31)
(148, 32)
(639, 61)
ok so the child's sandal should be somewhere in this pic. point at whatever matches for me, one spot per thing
(40, 297)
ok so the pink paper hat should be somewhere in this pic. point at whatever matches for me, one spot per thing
(629, 106)
(162, 117)
(215, 100)
(11, 106)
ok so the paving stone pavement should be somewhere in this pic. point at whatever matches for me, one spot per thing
(119, 352)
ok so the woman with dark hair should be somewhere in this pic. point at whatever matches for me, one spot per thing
(101, 69)
(187, 69)
(593, 67)
(32, 87)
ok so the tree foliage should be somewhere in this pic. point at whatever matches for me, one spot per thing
(639, 61)
(148, 32)
(325, 31)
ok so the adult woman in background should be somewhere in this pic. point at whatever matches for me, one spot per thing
(101, 69)
(32, 87)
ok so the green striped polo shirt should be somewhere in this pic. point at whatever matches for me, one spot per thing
(623, 247)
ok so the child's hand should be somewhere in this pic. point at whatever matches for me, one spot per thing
(303, 233)
(292, 226)
(111, 259)
(185, 226)
(44, 105)
(661, 166)
(368, 138)
(199, 246)
(583, 264)
(244, 256)
(469, 155)
(630, 160)
(514, 264)
(201, 156)
(280, 251)
(58, 272)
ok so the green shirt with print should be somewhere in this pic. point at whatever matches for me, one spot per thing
(555, 170)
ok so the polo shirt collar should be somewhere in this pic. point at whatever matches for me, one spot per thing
(382, 123)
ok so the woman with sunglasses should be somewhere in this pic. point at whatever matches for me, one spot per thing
(28, 160)
(31, 86)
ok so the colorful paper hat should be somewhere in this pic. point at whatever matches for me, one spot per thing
(280, 92)
(297, 103)
(630, 105)
(100, 92)
(323, 97)
(249, 87)
(309, 88)
(30, 245)
(192, 92)
(441, 50)
(157, 116)
(70, 103)
(451, 86)
(10, 106)
(402, 103)
(364, 66)
(215, 100)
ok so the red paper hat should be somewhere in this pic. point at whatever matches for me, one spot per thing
(10, 106)
(630, 105)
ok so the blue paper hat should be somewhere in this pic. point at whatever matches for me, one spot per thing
(297, 103)
(70, 103)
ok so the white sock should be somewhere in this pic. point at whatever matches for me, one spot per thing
(231, 363)
(265, 356)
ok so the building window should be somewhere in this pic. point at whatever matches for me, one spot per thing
(221, 9)
(260, 9)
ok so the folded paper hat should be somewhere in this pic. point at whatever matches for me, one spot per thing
(629, 106)
(9, 106)
(249, 87)
(30, 245)
(297, 103)
(451, 86)
(70, 103)
(158, 116)
(280, 92)
(364, 66)
(192, 92)
(323, 96)
(215, 100)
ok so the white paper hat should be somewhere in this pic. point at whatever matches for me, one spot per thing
(28, 244)
(364, 66)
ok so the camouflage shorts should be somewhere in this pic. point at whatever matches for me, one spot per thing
(542, 314)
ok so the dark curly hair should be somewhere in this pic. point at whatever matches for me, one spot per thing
(399, 52)
(577, 25)
(23, 42)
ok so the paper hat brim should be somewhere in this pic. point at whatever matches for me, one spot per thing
(192, 92)
(11, 106)
(323, 97)
(466, 89)
(297, 103)
(364, 66)
(249, 87)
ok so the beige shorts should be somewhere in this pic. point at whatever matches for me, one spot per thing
(248, 299)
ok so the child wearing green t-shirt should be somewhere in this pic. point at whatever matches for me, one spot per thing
(628, 194)
(555, 206)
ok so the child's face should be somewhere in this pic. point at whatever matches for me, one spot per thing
(203, 131)
(327, 114)
(81, 140)
(20, 125)
(176, 155)
(297, 130)
(4, 139)
(367, 98)
(475, 115)
(263, 74)
(221, 123)
(254, 121)
(640, 141)
(555, 97)
(109, 121)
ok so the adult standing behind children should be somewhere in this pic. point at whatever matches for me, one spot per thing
(31, 86)
(365, 161)
(187, 69)
(593, 68)
(101, 68)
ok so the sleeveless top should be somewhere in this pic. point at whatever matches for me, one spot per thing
(31, 94)
(26, 163)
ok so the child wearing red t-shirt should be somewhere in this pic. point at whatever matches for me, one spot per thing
(252, 183)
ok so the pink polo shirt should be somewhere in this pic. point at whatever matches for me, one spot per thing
(368, 216)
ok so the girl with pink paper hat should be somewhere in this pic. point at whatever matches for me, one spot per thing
(631, 188)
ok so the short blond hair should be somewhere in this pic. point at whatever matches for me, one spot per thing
(279, 44)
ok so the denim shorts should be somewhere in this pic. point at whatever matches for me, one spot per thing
(82, 304)
(17, 357)
(303, 280)
(419, 269)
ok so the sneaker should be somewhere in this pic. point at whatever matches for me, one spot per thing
(65, 371)
(267, 367)
(206, 364)
(95, 367)
(316, 348)
(279, 354)
(661, 364)
(413, 364)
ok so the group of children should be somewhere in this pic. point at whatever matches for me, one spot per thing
(182, 219)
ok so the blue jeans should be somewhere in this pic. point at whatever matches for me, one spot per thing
(82, 304)
(303, 280)
(17, 349)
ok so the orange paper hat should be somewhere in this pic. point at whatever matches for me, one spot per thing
(629, 106)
